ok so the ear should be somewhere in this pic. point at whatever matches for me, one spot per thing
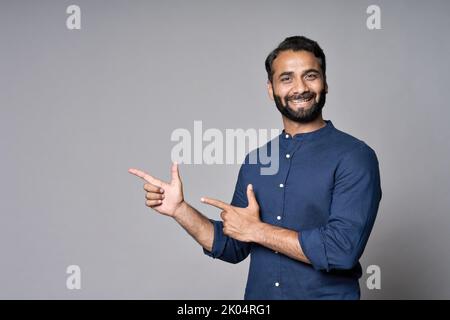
(270, 89)
(326, 87)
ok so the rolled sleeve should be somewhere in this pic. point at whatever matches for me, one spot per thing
(226, 248)
(313, 247)
(357, 192)
(219, 242)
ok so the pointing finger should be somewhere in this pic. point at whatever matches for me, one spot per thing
(216, 203)
(145, 176)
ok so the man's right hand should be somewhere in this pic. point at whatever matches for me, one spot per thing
(165, 198)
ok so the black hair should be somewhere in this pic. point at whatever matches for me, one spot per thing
(296, 43)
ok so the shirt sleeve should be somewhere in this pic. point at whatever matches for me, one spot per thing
(357, 192)
(224, 247)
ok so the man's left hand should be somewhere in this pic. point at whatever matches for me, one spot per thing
(239, 223)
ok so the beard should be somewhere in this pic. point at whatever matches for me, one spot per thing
(301, 115)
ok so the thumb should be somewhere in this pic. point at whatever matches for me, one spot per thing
(175, 173)
(251, 197)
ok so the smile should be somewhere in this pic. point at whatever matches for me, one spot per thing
(300, 101)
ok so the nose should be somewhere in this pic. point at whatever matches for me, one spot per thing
(299, 86)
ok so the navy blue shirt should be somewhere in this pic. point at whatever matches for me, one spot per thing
(328, 189)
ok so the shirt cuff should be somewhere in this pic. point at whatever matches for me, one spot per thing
(313, 246)
(218, 242)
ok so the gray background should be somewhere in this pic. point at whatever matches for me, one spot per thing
(78, 108)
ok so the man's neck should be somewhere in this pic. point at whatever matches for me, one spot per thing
(292, 127)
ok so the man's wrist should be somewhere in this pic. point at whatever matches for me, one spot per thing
(258, 232)
(180, 209)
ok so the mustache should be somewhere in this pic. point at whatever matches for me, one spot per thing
(303, 96)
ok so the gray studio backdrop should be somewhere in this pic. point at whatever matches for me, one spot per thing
(79, 107)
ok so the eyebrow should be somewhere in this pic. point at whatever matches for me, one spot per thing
(290, 73)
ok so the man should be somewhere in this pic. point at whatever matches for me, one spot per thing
(306, 226)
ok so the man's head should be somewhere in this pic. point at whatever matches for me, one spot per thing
(297, 79)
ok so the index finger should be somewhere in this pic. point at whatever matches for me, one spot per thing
(216, 203)
(145, 176)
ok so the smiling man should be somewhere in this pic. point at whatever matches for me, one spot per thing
(306, 226)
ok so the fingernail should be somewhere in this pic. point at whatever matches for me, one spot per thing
(202, 199)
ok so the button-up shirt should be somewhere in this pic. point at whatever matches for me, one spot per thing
(327, 188)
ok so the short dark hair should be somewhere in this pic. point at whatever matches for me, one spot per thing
(296, 43)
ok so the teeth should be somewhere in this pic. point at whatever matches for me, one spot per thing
(300, 100)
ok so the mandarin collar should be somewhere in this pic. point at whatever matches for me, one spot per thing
(309, 135)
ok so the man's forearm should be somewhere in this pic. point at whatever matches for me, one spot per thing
(196, 224)
(281, 240)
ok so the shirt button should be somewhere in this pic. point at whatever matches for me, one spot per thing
(281, 185)
(276, 252)
(287, 136)
(278, 218)
(277, 284)
(288, 156)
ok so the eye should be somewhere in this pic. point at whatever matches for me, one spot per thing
(284, 79)
(311, 76)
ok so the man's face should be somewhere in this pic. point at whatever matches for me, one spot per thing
(298, 86)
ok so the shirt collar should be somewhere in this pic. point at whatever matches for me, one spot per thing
(313, 135)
